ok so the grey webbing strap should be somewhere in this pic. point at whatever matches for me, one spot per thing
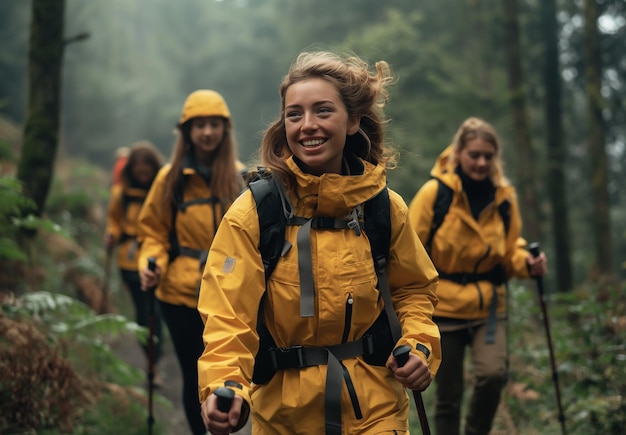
(332, 395)
(305, 267)
(322, 223)
(284, 198)
(490, 336)
(132, 249)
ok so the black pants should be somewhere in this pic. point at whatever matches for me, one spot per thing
(185, 326)
(489, 373)
(141, 300)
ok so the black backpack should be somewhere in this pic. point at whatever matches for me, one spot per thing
(272, 224)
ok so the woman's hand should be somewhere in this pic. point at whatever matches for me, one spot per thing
(218, 422)
(414, 375)
(537, 266)
(149, 278)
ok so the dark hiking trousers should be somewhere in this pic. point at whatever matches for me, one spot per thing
(489, 377)
(141, 301)
(186, 327)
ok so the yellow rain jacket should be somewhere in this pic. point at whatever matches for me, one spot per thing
(464, 245)
(292, 402)
(195, 228)
(124, 207)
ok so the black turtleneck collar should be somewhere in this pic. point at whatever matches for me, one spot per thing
(189, 161)
(479, 193)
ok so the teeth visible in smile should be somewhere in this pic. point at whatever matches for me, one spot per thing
(310, 143)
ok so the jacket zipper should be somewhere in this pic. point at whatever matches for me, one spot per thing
(348, 319)
(480, 293)
(349, 384)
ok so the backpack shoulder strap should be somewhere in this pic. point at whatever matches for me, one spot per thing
(272, 221)
(272, 228)
(377, 223)
(440, 209)
(378, 229)
(505, 212)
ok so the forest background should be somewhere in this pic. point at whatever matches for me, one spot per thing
(549, 75)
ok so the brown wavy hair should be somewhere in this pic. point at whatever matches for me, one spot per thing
(142, 151)
(362, 91)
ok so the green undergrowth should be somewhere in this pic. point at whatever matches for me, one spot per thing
(588, 334)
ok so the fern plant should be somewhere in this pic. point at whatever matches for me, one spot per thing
(55, 360)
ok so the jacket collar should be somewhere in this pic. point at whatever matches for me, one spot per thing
(335, 195)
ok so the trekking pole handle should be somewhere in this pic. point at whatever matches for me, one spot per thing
(401, 353)
(224, 398)
(152, 264)
(533, 248)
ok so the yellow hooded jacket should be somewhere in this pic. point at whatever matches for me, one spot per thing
(464, 245)
(234, 282)
(124, 207)
(179, 281)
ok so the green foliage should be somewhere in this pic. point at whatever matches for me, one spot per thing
(12, 206)
(589, 336)
(589, 341)
(77, 202)
(61, 347)
(5, 152)
(83, 335)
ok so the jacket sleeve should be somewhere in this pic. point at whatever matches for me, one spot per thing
(421, 209)
(516, 253)
(413, 282)
(115, 213)
(231, 289)
(154, 225)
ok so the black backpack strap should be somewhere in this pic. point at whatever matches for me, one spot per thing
(271, 224)
(272, 239)
(179, 204)
(378, 229)
(440, 209)
(505, 212)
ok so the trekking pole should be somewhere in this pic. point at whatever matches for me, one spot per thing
(151, 301)
(533, 248)
(105, 282)
(401, 353)
(224, 398)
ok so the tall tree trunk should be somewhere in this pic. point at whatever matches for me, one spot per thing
(41, 131)
(525, 163)
(556, 151)
(597, 151)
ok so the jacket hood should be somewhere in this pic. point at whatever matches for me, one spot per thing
(335, 195)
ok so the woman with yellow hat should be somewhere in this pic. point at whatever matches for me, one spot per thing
(178, 221)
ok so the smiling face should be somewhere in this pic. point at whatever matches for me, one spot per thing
(207, 134)
(476, 158)
(317, 124)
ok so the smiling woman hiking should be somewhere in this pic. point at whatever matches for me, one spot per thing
(178, 221)
(349, 280)
(468, 217)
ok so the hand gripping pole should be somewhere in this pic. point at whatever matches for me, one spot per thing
(401, 353)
